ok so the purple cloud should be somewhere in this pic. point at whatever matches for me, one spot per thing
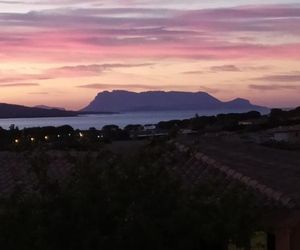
(10, 85)
(196, 72)
(229, 68)
(292, 77)
(156, 32)
(274, 87)
(67, 72)
(108, 86)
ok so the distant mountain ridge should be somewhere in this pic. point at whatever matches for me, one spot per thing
(48, 107)
(126, 101)
(18, 111)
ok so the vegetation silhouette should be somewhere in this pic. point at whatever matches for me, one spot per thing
(123, 202)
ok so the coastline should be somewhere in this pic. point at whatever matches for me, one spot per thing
(100, 119)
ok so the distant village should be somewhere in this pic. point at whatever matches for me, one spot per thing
(280, 129)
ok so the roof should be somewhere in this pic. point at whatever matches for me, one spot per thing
(271, 172)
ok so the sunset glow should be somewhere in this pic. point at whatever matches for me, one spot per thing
(63, 52)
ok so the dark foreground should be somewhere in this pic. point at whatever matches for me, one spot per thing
(106, 200)
(204, 183)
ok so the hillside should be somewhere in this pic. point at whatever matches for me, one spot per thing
(18, 111)
(48, 107)
(125, 101)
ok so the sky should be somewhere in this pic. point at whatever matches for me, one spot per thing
(63, 52)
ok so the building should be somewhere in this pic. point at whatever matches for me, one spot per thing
(287, 134)
(251, 122)
(188, 132)
(272, 174)
(148, 127)
(245, 123)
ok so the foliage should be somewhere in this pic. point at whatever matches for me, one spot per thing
(112, 202)
(65, 137)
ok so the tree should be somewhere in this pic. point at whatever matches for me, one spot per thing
(116, 202)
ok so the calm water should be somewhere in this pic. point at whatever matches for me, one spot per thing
(98, 121)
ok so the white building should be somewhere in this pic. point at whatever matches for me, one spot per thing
(287, 134)
(148, 127)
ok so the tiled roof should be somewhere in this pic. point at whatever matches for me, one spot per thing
(275, 174)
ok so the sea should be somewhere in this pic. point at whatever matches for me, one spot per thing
(97, 121)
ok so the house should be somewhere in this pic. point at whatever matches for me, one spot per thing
(188, 132)
(245, 123)
(271, 174)
(287, 134)
(148, 127)
(251, 122)
(259, 137)
(147, 131)
(151, 135)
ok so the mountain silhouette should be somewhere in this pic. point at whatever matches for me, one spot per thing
(18, 111)
(48, 107)
(126, 101)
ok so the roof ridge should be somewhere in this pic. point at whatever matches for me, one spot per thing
(244, 179)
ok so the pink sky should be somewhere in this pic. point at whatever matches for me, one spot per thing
(62, 53)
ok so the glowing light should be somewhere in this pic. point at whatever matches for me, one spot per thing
(81, 134)
(32, 139)
(58, 136)
(46, 138)
(17, 141)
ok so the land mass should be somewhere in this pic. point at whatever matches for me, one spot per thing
(125, 101)
(48, 107)
(18, 111)
(119, 101)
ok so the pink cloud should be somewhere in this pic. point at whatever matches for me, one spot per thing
(22, 84)
(74, 71)
(70, 35)
(274, 87)
(287, 77)
(222, 68)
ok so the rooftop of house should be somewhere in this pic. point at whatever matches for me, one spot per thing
(273, 173)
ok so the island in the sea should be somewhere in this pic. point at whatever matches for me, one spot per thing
(126, 101)
(119, 101)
